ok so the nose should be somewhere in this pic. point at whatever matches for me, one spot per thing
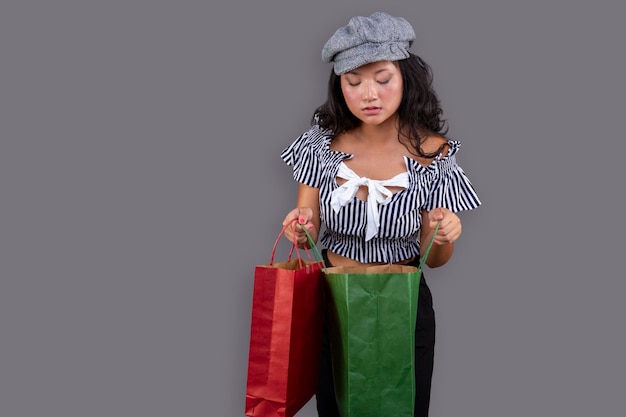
(369, 91)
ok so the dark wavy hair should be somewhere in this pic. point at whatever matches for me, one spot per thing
(420, 112)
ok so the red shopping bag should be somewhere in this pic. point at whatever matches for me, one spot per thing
(285, 335)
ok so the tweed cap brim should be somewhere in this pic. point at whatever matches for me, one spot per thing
(378, 37)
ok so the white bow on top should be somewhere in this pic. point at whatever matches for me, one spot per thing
(378, 194)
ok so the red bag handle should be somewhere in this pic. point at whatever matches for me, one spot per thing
(294, 247)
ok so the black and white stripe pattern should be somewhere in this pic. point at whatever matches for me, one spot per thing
(441, 184)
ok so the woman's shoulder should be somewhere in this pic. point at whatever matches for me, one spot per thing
(434, 149)
(312, 136)
(441, 153)
(437, 144)
(313, 141)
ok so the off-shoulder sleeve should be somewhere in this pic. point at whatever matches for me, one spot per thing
(304, 155)
(451, 187)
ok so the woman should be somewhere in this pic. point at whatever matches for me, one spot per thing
(376, 172)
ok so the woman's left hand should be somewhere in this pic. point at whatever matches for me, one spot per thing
(450, 228)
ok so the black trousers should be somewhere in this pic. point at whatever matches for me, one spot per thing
(424, 358)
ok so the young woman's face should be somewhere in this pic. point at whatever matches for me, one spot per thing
(373, 92)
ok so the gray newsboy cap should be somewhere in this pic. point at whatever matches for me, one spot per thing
(379, 37)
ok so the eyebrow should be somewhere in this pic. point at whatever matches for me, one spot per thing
(356, 72)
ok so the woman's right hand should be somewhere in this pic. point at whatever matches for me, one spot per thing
(303, 219)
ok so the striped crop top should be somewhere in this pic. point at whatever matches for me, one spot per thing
(385, 228)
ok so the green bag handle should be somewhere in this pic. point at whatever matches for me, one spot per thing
(313, 245)
(320, 259)
(430, 245)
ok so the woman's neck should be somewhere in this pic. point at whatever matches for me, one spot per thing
(377, 134)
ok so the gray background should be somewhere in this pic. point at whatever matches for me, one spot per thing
(141, 183)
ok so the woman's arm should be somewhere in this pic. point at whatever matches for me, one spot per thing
(307, 212)
(449, 231)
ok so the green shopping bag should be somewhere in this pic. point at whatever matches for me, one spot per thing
(372, 314)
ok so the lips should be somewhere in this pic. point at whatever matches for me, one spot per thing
(371, 110)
